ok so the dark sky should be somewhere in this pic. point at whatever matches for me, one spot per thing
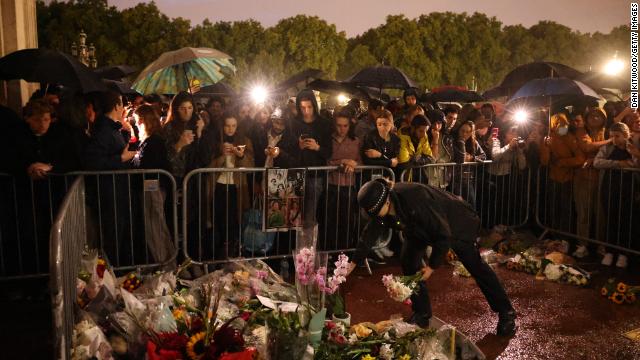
(356, 16)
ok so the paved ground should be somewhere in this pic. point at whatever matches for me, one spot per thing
(555, 321)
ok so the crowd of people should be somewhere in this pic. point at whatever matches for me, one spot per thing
(60, 133)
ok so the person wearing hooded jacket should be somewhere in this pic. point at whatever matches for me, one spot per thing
(429, 216)
(313, 148)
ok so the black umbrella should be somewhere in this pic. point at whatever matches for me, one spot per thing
(51, 67)
(495, 93)
(337, 87)
(219, 88)
(598, 80)
(302, 76)
(116, 72)
(382, 77)
(536, 70)
(452, 95)
(122, 87)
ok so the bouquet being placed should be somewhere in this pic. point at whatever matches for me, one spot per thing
(400, 288)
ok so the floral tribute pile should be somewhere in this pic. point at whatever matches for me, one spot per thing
(244, 311)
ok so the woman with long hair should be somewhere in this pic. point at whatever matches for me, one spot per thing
(466, 149)
(152, 154)
(230, 189)
(183, 134)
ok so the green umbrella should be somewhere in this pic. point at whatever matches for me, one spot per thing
(173, 71)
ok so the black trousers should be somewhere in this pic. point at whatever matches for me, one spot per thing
(411, 257)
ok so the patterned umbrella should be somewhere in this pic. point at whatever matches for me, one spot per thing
(173, 71)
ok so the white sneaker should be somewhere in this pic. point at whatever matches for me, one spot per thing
(386, 252)
(581, 251)
(607, 259)
(622, 261)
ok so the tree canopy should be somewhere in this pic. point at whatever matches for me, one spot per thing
(434, 49)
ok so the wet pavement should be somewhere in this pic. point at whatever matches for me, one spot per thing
(555, 321)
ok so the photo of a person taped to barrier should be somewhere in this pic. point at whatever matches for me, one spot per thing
(429, 216)
(295, 182)
(277, 211)
(294, 213)
(277, 183)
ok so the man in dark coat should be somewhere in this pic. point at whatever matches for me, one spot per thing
(312, 134)
(428, 216)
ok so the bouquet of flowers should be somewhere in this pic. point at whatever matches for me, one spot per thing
(620, 292)
(566, 274)
(400, 288)
(391, 339)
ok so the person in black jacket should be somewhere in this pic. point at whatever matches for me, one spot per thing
(380, 147)
(109, 196)
(313, 148)
(428, 216)
(108, 147)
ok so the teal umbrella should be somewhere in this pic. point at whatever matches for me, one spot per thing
(175, 70)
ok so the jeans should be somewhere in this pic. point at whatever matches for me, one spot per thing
(411, 260)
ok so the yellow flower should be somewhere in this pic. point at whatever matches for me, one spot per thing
(178, 313)
(604, 291)
(617, 298)
(630, 298)
(405, 357)
(367, 357)
(622, 287)
(361, 331)
(195, 346)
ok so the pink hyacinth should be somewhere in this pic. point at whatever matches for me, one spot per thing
(261, 275)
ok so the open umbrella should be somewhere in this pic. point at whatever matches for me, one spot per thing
(522, 74)
(338, 87)
(451, 94)
(382, 77)
(122, 87)
(554, 88)
(116, 72)
(50, 67)
(598, 80)
(303, 76)
(552, 92)
(217, 89)
(173, 71)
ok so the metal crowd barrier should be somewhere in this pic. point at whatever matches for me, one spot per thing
(122, 208)
(132, 216)
(601, 206)
(223, 216)
(68, 239)
(27, 210)
(498, 199)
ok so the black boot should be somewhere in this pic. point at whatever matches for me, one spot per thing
(507, 324)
